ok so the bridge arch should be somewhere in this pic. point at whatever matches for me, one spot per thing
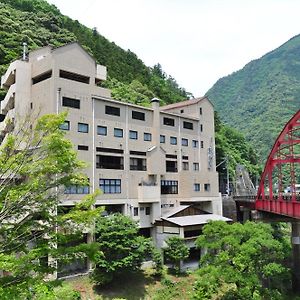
(278, 189)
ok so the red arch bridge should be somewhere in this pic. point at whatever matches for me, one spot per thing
(278, 194)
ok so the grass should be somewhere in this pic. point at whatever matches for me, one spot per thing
(140, 286)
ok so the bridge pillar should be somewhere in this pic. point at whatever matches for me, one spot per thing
(296, 256)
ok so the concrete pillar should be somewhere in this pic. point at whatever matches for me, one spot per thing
(295, 239)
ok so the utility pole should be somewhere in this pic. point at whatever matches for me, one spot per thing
(227, 175)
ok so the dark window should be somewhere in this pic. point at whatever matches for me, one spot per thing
(184, 142)
(118, 132)
(83, 127)
(162, 139)
(196, 166)
(171, 156)
(206, 187)
(109, 162)
(169, 122)
(135, 211)
(197, 187)
(109, 150)
(77, 189)
(171, 166)
(169, 186)
(200, 110)
(182, 111)
(147, 136)
(173, 140)
(185, 157)
(185, 166)
(83, 147)
(31, 105)
(65, 125)
(137, 115)
(101, 130)
(195, 144)
(133, 135)
(140, 153)
(70, 102)
(148, 210)
(111, 110)
(202, 144)
(110, 186)
(201, 127)
(188, 125)
(42, 77)
(138, 164)
(74, 76)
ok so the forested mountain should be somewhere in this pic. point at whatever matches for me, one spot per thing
(39, 23)
(259, 99)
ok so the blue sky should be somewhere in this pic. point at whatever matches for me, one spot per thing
(195, 41)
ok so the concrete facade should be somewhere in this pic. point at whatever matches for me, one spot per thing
(147, 161)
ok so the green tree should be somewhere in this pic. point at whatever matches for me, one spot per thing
(35, 167)
(121, 249)
(176, 251)
(242, 262)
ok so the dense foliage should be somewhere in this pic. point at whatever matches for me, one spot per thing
(121, 250)
(32, 180)
(259, 99)
(242, 262)
(39, 23)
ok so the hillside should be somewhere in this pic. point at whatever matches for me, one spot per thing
(260, 98)
(39, 23)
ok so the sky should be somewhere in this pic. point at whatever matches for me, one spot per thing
(196, 41)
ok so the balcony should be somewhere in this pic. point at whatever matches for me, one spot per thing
(148, 193)
(9, 77)
(8, 102)
(101, 73)
(8, 123)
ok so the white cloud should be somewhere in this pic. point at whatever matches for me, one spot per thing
(196, 41)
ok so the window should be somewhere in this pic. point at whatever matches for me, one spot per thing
(140, 153)
(169, 122)
(184, 142)
(201, 127)
(182, 111)
(188, 125)
(77, 189)
(197, 187)
(110, 186)
(162, 139)
(138, 115)
(101, 130)
(202, 144)
(206, 187)
(173, 140)
(171, 166)
(83, 147)
(196, 166)
(138, 164)
(83, 127)
(111, 110)
(148, 211)
(185, 166)
(65, 125)
(118, 132)
(70, 102)
(74, 76)
(171, 156)
(135, 211)
(31, 105)
(169, 186)
(195, 144)
(147, 137)
(109, 150)
(42, 77)
(133, 135)
(185, 157)
(109, 162)
(200, 110)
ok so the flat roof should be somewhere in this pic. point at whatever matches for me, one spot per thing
(196, 219)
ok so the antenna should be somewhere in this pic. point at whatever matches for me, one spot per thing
(24, 56)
